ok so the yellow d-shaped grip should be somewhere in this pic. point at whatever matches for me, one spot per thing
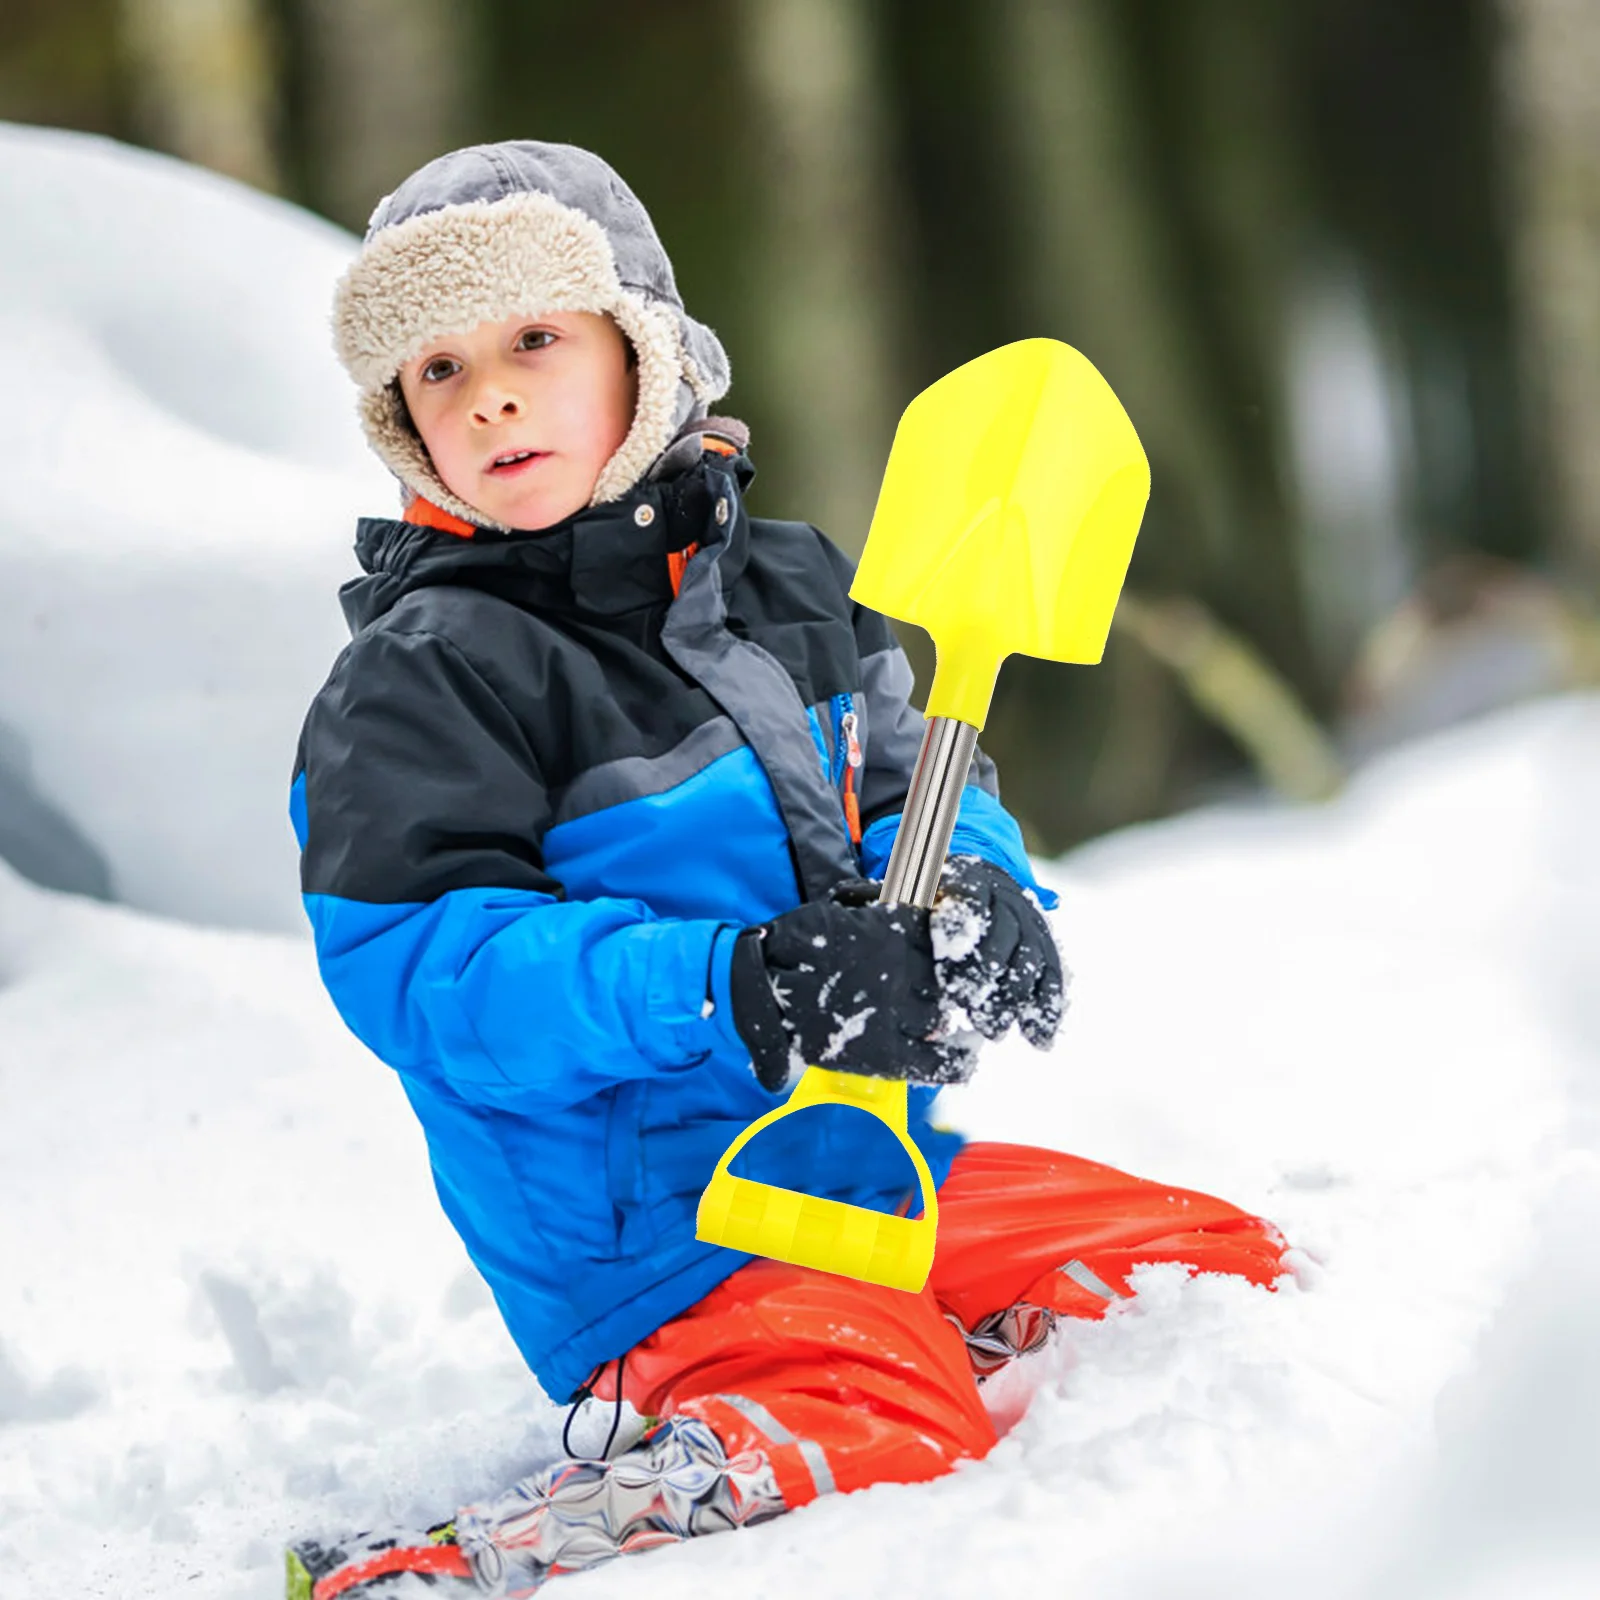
(829, 1235)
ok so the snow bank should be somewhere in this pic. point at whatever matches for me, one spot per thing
(179, 476)
(233, 1313)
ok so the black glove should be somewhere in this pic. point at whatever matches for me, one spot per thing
(994, 953)
(844, 983)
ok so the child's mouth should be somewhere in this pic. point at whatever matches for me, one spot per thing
(515, 461)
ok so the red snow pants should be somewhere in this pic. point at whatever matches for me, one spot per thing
(843, 1384)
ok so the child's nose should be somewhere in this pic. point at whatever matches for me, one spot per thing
(497, 408)
(495, 402)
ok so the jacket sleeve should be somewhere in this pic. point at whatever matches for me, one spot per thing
(893, 740)
(443, 942)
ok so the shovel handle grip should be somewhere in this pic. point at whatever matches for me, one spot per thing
(829, 1235)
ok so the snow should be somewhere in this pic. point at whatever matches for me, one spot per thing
(181, 479)
(232, 1311)
(957, 927)
(849, 1027)
(239, 1314)
(984, 990)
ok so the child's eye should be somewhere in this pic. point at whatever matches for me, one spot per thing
(525, 338)
(440, 368)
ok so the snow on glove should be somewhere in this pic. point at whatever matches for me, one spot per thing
(848, 984)
(994, 953)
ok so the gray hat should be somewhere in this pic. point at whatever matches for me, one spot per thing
(517, 229)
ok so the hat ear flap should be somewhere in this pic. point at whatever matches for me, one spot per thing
(652, 329)
(707, 364)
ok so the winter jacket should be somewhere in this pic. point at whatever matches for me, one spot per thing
(545, 785)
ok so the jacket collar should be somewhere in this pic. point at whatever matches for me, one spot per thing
(604, 560)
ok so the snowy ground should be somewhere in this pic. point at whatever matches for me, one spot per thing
(231, 1312)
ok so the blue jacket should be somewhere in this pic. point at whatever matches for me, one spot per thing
(541, 792)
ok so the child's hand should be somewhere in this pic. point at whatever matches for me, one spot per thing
(849, 984)
(994, 953)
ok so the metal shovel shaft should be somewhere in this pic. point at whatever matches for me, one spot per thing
(932, 804)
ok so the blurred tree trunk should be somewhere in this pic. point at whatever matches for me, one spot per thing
(826, 230)
(385, 88)
(205, 83)
(1549, 71)
(1400, 107)
(1169, 271)
(1097, 261)
(1153, 173)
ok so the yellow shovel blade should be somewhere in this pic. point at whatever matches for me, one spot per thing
(808, 1231)
(1006, 520)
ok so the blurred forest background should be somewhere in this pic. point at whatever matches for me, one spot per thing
(1340, 259)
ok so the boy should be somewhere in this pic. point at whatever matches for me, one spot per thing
(589, 810)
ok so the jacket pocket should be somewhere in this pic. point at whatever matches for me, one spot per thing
(559, 1164)
(635, 1224)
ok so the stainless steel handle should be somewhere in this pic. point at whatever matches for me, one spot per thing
(912, 877)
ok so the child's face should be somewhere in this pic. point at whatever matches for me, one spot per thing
(559, 386)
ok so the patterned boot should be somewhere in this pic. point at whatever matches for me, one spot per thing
(676, 1483)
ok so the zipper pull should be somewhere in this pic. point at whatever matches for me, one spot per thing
(852, 804)
(847, 726)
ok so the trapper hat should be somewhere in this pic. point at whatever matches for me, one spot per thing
(506, 230)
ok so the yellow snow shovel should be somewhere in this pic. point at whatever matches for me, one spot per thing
(1005, 523)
